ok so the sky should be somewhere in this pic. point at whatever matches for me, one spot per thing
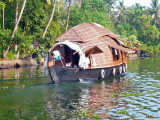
(129, 3)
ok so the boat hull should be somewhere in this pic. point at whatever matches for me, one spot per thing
(59, 74)
(64, 74)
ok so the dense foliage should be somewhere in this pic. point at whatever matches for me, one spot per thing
(136, 23)
(91, 11)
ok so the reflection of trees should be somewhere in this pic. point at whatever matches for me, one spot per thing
(145, 66)
(68, 97)
(102, 95)
(22, 73)
(17, 102)
(16, 73)
(20, 77)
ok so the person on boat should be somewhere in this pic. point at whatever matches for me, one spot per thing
(57, 56)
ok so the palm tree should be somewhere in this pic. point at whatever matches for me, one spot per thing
(18, 20)
(110, 4)
(16, 15)
(138, 6)
(2, 4)
(2, 7)
(3, 17)
(120, 13)
(69, 9)
(51, 17)
(16, 27)
(68, 14)
(155, 11)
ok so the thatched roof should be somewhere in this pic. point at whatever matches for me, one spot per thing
(104, 42)
(91, 35)
(85, 32)
(88, 31)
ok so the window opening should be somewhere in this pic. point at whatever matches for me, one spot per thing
(115, 54)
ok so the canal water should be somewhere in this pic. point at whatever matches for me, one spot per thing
(28, 93)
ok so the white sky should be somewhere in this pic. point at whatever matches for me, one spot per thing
(129, 3)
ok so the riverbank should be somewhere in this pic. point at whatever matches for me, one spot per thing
(31, 62)
(19, 63)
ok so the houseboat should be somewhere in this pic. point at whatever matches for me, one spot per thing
(87, 51)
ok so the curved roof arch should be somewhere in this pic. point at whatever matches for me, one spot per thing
(85, 32)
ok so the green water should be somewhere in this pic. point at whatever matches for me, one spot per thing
(27, 93)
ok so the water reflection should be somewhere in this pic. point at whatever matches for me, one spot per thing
(135, 95)
(25, 93)
(97, 97)
(103, 99)
(21, 77)
(65, 98)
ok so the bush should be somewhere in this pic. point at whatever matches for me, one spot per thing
(10, 55)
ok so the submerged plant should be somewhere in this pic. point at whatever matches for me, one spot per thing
(131, 103)
(150, 116)
(115, 94)
(151, 92)
(155, 85)
(134, 116)
(129, 94)
(86, 114)
(97, 117)
(123, 112)
(140, 106)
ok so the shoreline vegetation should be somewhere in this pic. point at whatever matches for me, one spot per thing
(28, 29)
(26, 62)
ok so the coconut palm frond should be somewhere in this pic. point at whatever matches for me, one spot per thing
(155, 10)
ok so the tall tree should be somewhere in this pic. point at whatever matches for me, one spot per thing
(19, 18)
(51, 17)
(16, 20)
(121, 12)
(16, 14)
(16, 27)
(69, 10)
(2, 7)
(3, 18)
(68, 14)
(133, 12)
(155, 11)
(110, 6)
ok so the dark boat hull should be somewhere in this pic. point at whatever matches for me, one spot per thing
(59, 74)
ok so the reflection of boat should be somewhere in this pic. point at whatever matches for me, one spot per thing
(87, 51)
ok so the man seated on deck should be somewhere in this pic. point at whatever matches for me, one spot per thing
(57, 56)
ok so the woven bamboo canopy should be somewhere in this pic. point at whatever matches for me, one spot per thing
(85, 32)
(91, 35)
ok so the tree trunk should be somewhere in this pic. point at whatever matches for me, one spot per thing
(16, 19)
(68, 14)
(19, 18)
(51, 17)
(16, 27)
(3, 28)
(16, 15)
(3, 18)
